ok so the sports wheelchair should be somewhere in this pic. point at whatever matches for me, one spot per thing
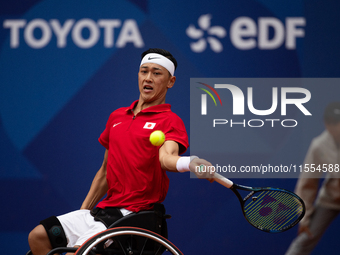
(143, 233)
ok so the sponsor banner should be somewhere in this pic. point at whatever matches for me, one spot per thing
(259, 127)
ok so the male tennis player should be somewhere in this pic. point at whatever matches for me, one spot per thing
(133, 171)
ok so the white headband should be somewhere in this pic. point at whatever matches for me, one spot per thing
(159, 60)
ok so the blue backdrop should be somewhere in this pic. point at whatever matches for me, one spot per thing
(66, 65)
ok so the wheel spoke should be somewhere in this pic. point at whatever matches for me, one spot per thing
(121, 246)
(142, 250)
(159, 248)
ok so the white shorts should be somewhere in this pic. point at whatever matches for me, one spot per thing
(79, 226)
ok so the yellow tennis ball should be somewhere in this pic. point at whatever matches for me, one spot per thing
(157, 138)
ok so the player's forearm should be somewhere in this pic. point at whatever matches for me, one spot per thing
(168, 162)
(97, 191)
(98, 187)
(168, 156)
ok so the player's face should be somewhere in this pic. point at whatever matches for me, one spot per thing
(154, 81)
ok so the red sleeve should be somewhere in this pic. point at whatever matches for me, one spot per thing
(105, 136)
(177, 133)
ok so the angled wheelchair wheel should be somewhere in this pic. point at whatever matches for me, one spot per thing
(128, 241)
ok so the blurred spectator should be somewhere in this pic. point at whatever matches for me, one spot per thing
(322, 205)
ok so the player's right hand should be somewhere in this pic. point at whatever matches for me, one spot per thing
(202, 169)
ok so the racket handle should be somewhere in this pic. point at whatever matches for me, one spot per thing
(223, 181)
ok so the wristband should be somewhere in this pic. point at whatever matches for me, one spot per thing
(183, 163)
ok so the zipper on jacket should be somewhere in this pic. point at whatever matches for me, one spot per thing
(133, 118)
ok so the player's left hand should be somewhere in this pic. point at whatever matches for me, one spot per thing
(202, 169)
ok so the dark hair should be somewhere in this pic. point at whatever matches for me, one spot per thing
(332, 113)
(165, 53)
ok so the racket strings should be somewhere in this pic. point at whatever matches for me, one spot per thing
(273, 216)
(273, 210)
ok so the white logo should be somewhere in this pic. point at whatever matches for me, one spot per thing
(105, 29)
(149, 125)
(116, 124)
(238, 100)
(264, 33)
(204, 23)
(289, 96)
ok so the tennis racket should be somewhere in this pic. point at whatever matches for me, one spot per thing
(268, 209)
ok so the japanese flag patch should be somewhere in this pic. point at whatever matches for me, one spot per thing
(149, 125)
